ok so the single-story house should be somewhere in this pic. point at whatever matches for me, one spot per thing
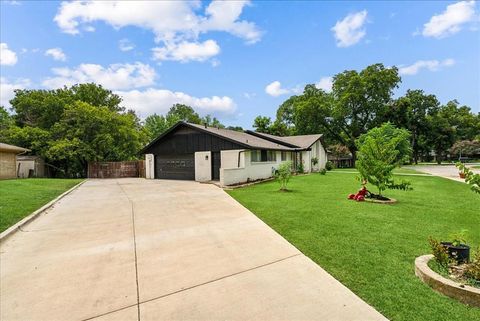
(202, 153)
(8, 160)
(30, 166)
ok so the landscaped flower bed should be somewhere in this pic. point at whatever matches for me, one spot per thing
(452, 261)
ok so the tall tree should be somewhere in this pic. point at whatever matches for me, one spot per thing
(88, 133)
(183, 112)
(155, 125)
(43, 108)
(441, 135)
(410, 112)
(262, 124)
(357, 103)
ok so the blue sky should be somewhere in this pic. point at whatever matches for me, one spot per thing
(237, 60)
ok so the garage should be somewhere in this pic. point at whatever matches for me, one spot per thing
(175, 166)
(173, 152)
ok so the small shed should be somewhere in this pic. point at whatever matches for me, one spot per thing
(8, 160)
(30, 166)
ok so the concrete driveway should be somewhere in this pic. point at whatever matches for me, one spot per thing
(135, 249)
(446, 171)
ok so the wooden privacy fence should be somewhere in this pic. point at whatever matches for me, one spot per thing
(116, 169)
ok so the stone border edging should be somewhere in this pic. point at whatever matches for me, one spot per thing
(463, 293)
(15, 227)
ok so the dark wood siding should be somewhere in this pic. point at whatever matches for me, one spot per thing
(174, 153)
(188, 141)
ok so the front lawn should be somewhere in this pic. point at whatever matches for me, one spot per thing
(20, 197)
(396, 171)
(371, 248)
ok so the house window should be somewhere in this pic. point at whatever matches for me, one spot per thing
(284, 156)
(271, 156)
(255, 156)
(263, 156)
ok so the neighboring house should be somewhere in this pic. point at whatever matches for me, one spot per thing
(8, 157)
(195, 152)
(30, 166)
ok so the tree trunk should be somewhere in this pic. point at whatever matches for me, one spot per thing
(354, 156)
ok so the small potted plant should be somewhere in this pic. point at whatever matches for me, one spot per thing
(457, 249)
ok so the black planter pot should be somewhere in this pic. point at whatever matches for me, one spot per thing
(460, 253)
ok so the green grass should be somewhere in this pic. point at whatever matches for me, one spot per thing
(371, 248)
(20, 197)
(400, 170)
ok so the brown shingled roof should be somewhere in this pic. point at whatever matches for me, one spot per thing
(300, 141)
(243, 138)
(11, 148)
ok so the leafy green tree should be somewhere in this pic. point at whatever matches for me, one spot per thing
(235, 128)
(465, 122)
(155, 125)
(357, 103)
(88, 133)
(6, 120)
(382, 149)
(441, 135)
(410, 112)
(211, 121)
(180, 112)
(43, 108)
(34, 138)
(262, 124)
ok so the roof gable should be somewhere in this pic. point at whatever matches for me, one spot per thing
(243, 139)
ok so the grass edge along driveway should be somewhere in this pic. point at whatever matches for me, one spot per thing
(371, 248)
(20, 197)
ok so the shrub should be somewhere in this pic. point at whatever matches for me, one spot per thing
(472, 270)
(300, 168)
(323, 171)
(329, 166)
(439, 252)
(283, 174)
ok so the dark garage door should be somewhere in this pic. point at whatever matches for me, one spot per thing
(175, 166)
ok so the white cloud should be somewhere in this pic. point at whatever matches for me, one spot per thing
(325, 83)
(432, 65)
(56, 54)
(154, 100)
(350, 30)
(275, 89)
(450, 21)
(187, 51)
(7, 56)
(114, 77)
(175, 24)
(7, 88)
(125, 45)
